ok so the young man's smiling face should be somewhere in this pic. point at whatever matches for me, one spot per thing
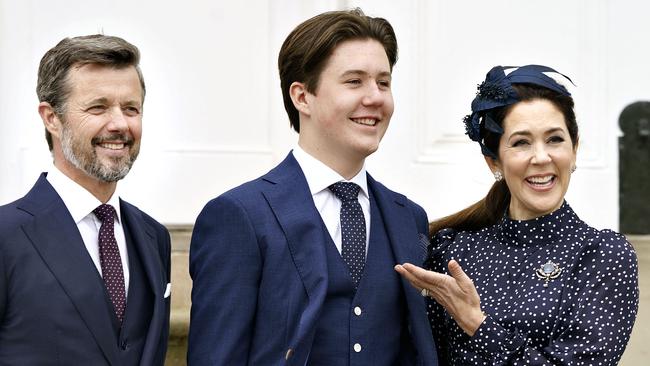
(351, 108)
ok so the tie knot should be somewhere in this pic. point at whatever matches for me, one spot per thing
(345, 191)
(104, 212)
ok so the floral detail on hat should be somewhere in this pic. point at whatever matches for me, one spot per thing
(472, 127)
(493, 90)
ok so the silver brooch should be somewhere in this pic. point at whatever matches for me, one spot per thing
(548, 271)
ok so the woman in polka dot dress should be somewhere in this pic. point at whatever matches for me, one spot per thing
(518, 278)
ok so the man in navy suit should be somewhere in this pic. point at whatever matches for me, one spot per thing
(84, 275)
(287, 273)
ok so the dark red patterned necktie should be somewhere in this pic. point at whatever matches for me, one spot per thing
(109, 257)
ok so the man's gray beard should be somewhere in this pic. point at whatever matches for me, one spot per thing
(93, 167)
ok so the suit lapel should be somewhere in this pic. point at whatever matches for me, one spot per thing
(290, 200)
(55, 236)
(399, 222)
(144, 241)
(403, 235)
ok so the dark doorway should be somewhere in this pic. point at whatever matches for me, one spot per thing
(634, 169)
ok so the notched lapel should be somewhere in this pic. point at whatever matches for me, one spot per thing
(290, 200)
(144, 241)
(399, 222)
(293, 207)
(404, 238)
(56, 238)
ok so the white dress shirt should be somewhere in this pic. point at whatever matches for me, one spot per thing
(319, 177)
(81, 203)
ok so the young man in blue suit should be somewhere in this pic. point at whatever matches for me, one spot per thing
(296, 267)
(84, 276)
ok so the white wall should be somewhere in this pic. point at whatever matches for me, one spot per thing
(214, 116)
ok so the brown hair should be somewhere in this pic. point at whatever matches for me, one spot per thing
(55, 65)
(308, 47)
(490, 209)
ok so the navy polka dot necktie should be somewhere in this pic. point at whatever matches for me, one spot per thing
(109, 258)
(353, 229)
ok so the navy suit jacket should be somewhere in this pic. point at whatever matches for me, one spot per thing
(258, 262)
(52, 298)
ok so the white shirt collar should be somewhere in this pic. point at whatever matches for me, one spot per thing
(319, 176)
(79, 202)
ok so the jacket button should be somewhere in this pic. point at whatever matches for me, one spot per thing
(357, 311)
(124, 345)
(289, 354)
(357, 347)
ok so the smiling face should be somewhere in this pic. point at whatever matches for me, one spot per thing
(536, 156)
(99, 134)
(347, 116)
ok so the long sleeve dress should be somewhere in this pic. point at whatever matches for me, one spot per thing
(555, 290)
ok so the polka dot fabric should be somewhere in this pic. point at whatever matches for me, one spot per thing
(353, 228)
(110, 261)
(584, 316)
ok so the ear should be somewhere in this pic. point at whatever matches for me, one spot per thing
(299, 97)
(493, 164)
(50, 120)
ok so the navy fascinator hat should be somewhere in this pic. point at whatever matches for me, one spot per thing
(497, 91)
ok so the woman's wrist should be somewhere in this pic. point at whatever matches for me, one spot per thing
(473, 322)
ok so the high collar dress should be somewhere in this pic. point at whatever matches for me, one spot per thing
(555, 290)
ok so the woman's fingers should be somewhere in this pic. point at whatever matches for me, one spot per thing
(415, 282)
(421, 278)
(423, 275)
(459, 275)
(413, 275)
(439, 285)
